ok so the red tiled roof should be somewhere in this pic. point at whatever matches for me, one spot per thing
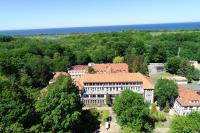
(103, 68)
(59, 74)
(114, 77)
(111, 68)
(79, 68)
(188, 97)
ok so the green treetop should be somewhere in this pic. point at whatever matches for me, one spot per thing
(186, 124)
(165, 91)
(118, 59)
(133, 112)
(60, 108)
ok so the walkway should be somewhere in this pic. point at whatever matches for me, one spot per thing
(114, 126)
(161, 130)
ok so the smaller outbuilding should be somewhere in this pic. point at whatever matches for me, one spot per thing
(195, 64)
(187, 101)
(155, 68)
(178, 79)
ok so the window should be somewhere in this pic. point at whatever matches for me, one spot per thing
(85, 96)
(93, 96)
(100, 95)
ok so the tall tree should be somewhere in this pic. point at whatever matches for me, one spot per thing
(157, 53)
(133, 112)
(14, 111)
(60, 108)
(173, 65)
(38, 69)
(182, 67)
(165, 91)
(136, 63)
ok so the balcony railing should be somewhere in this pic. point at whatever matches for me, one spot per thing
(110, 86)
(109, 92)
(93, 98)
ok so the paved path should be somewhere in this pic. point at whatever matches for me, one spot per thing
(165, 128)
(114, 126)
(161, 130)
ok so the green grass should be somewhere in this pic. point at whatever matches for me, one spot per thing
(160, 75)
(104, 115)
(159, 124)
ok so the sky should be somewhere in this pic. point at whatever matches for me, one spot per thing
(34, 14)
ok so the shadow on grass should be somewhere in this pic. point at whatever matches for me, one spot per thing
(89, 122)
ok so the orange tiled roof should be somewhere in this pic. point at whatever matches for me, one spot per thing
(59, 74)
(111, 68)
(79, 68)
(114, 77)
(187, 96)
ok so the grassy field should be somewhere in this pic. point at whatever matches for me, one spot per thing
(155, 77)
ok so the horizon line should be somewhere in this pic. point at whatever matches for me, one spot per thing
(97, 26)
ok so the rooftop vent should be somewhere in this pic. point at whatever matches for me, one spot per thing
(90, 64)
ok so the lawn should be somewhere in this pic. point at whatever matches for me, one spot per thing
(104, 115)
(155, 77)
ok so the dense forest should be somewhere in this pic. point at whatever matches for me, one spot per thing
(27, 63)
(35, 58)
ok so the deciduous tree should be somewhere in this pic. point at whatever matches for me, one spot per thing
(133, 112)
(60, 108)
(118, 59)
(186, 124)
(165, 91)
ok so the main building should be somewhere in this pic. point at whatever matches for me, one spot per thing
(94, 87)
(79, 70)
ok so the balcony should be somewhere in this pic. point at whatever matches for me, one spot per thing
(101, 92)
(109, 92)
(93, 98)
(110, 86)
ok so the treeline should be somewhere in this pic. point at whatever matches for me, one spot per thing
(36, 58)
(182, 66)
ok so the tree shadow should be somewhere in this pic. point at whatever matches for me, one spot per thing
(89, 122)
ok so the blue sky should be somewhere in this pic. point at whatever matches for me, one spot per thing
(31, 14)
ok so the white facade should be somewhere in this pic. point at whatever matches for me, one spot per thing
(148, 95)
(76, 73)
(95, 93)
(155, 68)
(179, 80)
(184, 110)
(195, 64)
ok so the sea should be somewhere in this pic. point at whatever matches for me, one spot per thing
(75, 30)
